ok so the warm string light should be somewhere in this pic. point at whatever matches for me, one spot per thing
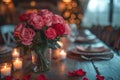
(70, 11)
(7, 1)
(32, 3)
(67, 1)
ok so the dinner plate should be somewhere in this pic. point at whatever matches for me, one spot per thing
(85, 39)
(4, 49)
(92, 49)
(75, 51)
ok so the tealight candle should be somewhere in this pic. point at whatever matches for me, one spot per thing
(17, 63)
(6, 69)
(63, 54)
(15, 53)
(33, 57)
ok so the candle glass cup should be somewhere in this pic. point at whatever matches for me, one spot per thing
(17, 63)
(5, 69)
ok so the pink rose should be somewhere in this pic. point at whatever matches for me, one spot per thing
(18, 29)
(45, 12)
(26, 36)
(47, 16)
(36, 21)
(59, 28)
(67, 29)
(50, 33)
(24, 16)
(57, 19)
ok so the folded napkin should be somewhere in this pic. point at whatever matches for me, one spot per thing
(81, 39)
(93, 50)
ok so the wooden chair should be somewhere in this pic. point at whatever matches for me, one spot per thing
(7, 35)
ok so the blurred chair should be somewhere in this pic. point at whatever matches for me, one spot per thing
(7, 35)
(117, 43)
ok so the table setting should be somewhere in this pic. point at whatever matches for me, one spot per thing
(43, 54)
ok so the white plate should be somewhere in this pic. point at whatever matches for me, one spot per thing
(92, 50)
(75, 51)
(5, 49)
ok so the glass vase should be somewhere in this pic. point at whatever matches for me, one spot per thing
(41, 60)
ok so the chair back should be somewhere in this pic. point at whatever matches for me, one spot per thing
(7, 33)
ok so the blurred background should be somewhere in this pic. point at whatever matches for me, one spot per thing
(99, 16)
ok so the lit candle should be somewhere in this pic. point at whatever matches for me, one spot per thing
(63, 54)
(6, 69)
(15, 53)
(17, 63)
(33, 57)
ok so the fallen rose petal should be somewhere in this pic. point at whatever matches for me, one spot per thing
(70, 74)
(29, 59)
(79, 72)
(85, 78)
(99, 77)
(27, 77)
(42, 77)
(8, 78)
(55, 57)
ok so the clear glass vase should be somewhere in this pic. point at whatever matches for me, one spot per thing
(41, 60)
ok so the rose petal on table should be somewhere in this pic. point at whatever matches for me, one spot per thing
(85, 78)
(80, 72)
(27, 77)
(70, 74)
(42, 77)
(99, 77)
(29, 59)
(21, 56)
(8, 78)
(55, 58)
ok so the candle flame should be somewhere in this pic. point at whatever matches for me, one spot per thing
(15, 51)
(5, 65)
(17, 60)
(62, 52)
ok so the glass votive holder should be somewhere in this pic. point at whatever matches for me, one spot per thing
(63, 55)
(17, 63)
(5, 69)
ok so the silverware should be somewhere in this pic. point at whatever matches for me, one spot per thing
(95, 58)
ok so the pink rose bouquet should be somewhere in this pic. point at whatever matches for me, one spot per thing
(40, 30)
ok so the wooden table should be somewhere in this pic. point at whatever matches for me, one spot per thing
(59, 69)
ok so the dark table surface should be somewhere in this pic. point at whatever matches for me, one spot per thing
(110, 69)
